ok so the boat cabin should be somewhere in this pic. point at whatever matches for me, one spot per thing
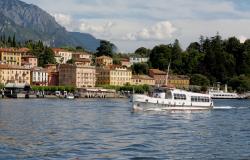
(182, 95)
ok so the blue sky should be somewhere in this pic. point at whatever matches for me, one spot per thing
(131, 24)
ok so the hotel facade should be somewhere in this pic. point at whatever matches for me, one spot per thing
(79, 76)
(113, 75)
(14, 74)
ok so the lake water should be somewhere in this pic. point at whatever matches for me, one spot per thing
(107, 129)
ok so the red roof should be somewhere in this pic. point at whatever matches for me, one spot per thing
(82, 60)
(157, 71)
(20, 50)
(7, 66)
(56, 50)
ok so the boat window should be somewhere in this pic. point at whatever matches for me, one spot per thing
(169, 95)
(180, 96)
(199, 99)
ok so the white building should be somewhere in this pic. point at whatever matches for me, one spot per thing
(134, 60)
(39, 76)
(62, 55)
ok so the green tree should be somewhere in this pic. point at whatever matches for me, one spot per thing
(194, 46)
(176, 53)
(240, 83)
(105, 48)
(46, 57)
(199, 80)
(143, 52)
(70, 61)
(140, 68)
(160, 57)
(234, 48)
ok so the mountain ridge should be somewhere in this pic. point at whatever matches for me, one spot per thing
(29, 22)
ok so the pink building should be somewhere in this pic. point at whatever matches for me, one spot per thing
(53, 74)
(159, 76)
(29, 61)
(125, 62)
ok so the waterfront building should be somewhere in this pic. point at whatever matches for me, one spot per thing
(11, 56)
(58, 58)
(53, 74)
(29, 61)
(82, 62)
(62, 55)
(113, 75)
(125, 62)
(142, 79)
(104, 61)
(159, 76)
(135, 59)
(39, 76)
(77, 75)
(81, 55)
(14, 74)
(179, 81)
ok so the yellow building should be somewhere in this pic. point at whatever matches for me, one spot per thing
(80, 76)
(104, 61)
(178, 81)
(142, 79)
(14, 74)
(113, 75)
(11, 56)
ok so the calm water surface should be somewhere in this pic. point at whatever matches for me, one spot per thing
(106, 129)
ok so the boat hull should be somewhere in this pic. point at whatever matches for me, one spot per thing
(146, 103)
(145, 106)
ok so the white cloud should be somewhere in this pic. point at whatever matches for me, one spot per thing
(99, 29)
(159, 31)
(242, 39)
(63, 19)
(132, 24)
(95, 28)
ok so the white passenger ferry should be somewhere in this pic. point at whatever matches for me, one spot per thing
(219, 94)
(171, 100)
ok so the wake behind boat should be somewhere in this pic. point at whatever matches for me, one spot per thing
(171, 100)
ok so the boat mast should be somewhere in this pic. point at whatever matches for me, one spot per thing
(168, 72)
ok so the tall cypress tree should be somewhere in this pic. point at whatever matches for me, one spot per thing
(13, 41)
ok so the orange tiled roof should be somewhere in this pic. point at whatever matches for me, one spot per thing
(157, 71)
(7, 66)
(102, 57)
(84, 53)
(20, 50)
(82, 60)
(56, 50)
(125, 60)
(178, 77)
(114, 66)
(39, 69)
(28, 56)
(145, 77)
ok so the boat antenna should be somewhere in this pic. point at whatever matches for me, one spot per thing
(168, 72)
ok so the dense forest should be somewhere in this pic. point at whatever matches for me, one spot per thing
(207, 62)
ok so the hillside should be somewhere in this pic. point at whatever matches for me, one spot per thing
(29, 22)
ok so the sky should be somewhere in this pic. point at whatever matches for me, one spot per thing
(131, 24)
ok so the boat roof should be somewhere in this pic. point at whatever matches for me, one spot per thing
(180, 91)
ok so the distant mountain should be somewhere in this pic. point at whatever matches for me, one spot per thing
(29, 22)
